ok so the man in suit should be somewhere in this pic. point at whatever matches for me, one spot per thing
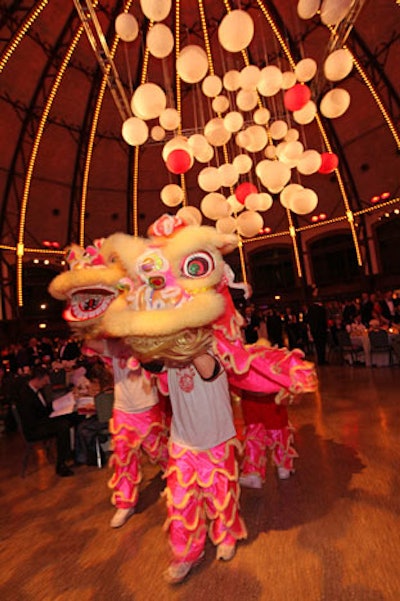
(318, 323)
(36, 422)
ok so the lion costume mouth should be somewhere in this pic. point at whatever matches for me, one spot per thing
(89, 303)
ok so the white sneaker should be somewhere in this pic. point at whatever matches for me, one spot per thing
(284, 473)
(121, 516)
(226, 552)
(251, 481)
(177, 571)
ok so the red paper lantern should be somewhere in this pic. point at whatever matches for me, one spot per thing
(296, 97)
(243, 190)
(178, 161)
(329, 162)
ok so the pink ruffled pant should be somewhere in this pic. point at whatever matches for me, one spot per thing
(201, 485)
(132, 432)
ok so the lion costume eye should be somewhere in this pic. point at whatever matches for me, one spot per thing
(198, 265)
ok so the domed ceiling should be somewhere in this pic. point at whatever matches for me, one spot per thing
(67, 173)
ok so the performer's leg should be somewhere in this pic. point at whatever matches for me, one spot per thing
(253, 467)
(280, 442)
(155, 441)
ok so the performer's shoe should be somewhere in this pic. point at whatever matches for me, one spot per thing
(284, 473)
(121, 516)
(250, 481)
(226, 552)
(177, 571)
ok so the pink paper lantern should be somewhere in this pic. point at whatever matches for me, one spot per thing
(296, 97)
(243, 190)
(178, 161)
(329, 162)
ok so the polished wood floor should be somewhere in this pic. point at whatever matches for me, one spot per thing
(330, 533)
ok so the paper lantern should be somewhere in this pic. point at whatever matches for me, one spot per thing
(220, 104)
(274, 175)
(249, 223)
(156, 10)
(303, 202)
(334, 11)
(249, 77)
(178, 161)
(338, 65)
(205, 154)
(258, 138)
(242, 139)
(192, 64)
(209, 179)
(236, 31)
(296, 97)
(160, 41)
(288, 80)
(287, 193)
(292, 135)
(157, 133)
(278, 129)
(235, 205)
(242, 163)
(233, 121)
(229, 174)
(231, 80)
(306, 114)
(335, 103)
(258, 202)
(243, 190)
(292, 153)
(226, 225)
(309, 162)
(190, 215)
(135, 131)
(329, 162)
(270, 81)
(246, 100)
(170, 119)
(197, 142)
(172, 195)
(215, 132)
(211, 86)
(177, 142)
(126, 27)
(270, 152)
(215, 206)
(261, 116)
(148, 101)
(306, 9)
(305, 69)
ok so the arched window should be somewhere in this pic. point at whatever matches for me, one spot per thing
(272, 270)
(334, 260)
(388, 244)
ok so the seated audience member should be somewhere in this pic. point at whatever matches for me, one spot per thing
(356, 327)
(35, 417)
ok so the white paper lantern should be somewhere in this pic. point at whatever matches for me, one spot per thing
(176, 143)
(226, 225)
(170, 119)
(135, 131)
(338, 65)
(190, 215)
(334, 11)
(229, 174)
(205, 154)
(215, 206)
(270, 81)
(270, 152)
(242, 163)
(197, 142)
(157, 133)
(278, 129)
(215, 132)
(246, 100)
(274, 175)
(305, 69)
(309, 162)
(335, 103)
(287, 193)
(126, 27)
(249, 223)
(192, 64)
(172, 195)
(288, 80)
(304, 201)
(258, 202)
(220, 104)
(211, 86)
(209, 179)
(261, 116)
(258, 138)
(292, 135)
(292, 152)
(306, 9)
(231, 80)
(242, 139)
(234, 204)
(233, 121)
(156, 10)
(160, 41)
(148, 101)
(236, 31)
(306, 114)
(249, 77)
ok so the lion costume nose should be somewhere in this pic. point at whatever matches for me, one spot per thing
(157, 282)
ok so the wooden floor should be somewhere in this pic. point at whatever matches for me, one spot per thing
(331, 533)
